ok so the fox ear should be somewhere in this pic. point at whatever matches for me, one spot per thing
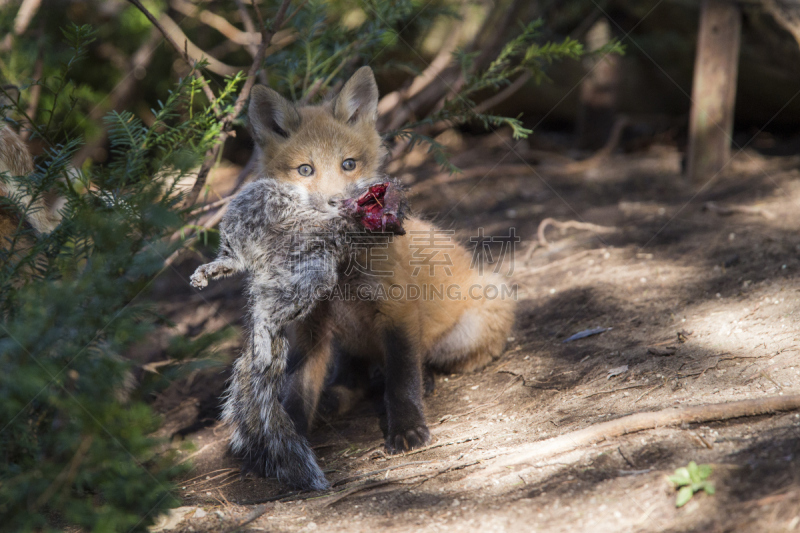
(271, 114)
(358, 99)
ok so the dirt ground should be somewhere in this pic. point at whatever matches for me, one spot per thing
(727, 284)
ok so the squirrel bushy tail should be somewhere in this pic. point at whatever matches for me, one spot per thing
(264, 435)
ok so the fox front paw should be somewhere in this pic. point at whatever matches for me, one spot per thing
(407, 440)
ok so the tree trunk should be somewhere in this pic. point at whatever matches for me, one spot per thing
(713, 89)
(598, 102)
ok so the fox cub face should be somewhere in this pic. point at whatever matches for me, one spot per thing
(322, 149)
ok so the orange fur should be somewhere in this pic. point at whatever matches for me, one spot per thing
(460, 331)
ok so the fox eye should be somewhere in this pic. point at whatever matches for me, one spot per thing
(349, 164)
(305, 170)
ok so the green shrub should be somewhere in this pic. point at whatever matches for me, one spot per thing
(75, 439)
(75, 445)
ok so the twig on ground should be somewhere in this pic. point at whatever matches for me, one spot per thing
(255, 515)
(227, 472)
(337, 497)
(201, 450)
(773, 498)
(643, 421)
(209, 473)
(444, 471)
(719, 360)
(645, 393)
(727, 210)
(615, 390)
(442, 445)
(230, 481)
(373, 472)
(493, 401)
(277, 497)
(428, 476)
(533, 381)
(619, 449)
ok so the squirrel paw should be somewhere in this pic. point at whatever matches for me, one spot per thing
(199, 279)
(209, 271)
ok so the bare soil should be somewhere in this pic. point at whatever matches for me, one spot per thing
(703, 308)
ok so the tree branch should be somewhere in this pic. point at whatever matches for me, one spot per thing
(25, 14)
(191, 50)
(247, 22)
(182, 51)
(211, 156)
(121, 95)
(23, 19)
(36, 92)
(503, 95)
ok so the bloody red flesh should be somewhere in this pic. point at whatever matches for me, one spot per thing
(377, 208)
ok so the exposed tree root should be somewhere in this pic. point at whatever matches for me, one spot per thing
(787, 14)
(545, 449)
(481, 171)
(569, 224)
(542, 242)
(601, 155)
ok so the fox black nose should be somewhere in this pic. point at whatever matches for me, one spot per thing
(335, 199)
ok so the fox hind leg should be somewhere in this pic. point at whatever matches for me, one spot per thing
(349, 383)
(478, 338)
(309, 360)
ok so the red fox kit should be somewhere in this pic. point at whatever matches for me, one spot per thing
(291, 244)
(329, 152)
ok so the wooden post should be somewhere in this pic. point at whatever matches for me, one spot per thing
(713, 89)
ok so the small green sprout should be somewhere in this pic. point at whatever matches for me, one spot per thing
(690, 479)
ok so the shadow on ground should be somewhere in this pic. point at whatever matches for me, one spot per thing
(703, 309)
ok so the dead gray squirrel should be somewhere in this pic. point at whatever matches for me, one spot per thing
(293, 246)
